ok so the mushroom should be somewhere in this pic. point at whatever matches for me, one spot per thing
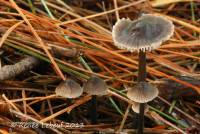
(144, 34)
(136, 107)
(69, 89)
(95, 86)
(142, 92)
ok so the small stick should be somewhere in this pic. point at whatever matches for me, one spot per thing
(116, 11)
(11, 103)
(10, 71)
(31, 98)
(68, 109)
(124, 118)
(24, 102)
(158, 117)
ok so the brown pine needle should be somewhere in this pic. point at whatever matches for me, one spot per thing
(24, 102)
(124, 118)
(158, 117)
(103, 13)
(58, 71)
(4, 37)
(68, 109)
(11, 103)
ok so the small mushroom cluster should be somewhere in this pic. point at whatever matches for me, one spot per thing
(71, 89)
(94, 86)
(144, 34)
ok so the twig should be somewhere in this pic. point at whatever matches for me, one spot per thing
(11, 103)
(10, 71)
(116, 11)
(157, 116)
(68, 109)
(179, 110)
(124, 118)
(24, 102)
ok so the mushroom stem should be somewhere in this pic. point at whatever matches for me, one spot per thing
(141, 119)
(142, 66)
(93, 109)
(141, 77)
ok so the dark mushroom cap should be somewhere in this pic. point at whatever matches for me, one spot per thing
(145, 33)
(142, 92)
(95, 86)
(69, 89)
(136, 107)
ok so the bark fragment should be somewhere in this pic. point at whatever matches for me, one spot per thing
(10, 71)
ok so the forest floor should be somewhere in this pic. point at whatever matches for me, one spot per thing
(72, 39)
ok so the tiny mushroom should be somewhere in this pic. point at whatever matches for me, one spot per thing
(95, 86)
(142, 92)
(69, 89)
(146, 33)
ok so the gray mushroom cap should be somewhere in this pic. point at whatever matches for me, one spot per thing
(136, 107)
(142, 92)
(69, 89)
(146, 33)
(95, 86)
